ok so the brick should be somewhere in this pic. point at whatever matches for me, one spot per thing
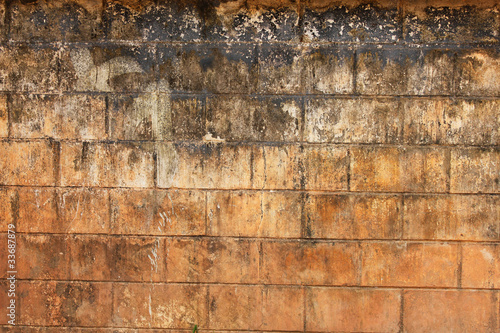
(5, 265)
(159, 305)
(42, 257)
(353, 217)
(188, 117)
(38, 211)
(328, 70)
(27, 163)
(100, 164)
(360, 120)
(450, 310)
(136, 259)
(254, 214)
(450, 21)
(208, 165)
(4, 302)
(398, 169)
(145, 116)
(127, 19)
(108, 68)
(3, 30)
(249, 118)
(308, 167)
(470, 122)
(212, 260)
(394, 71)
(74, 20)
(256, 308)
(90, 258)
(50, 303)
(9, 207)
(453, 217)
(281, 69)
(148, 212)
(351, 21)
(480, 268)
(352, 310)
(310, 263)
(475, 170)
(409, 264)
(4, 117)
(84, 210)
(204, 67)
(477, 73)
(29, 68)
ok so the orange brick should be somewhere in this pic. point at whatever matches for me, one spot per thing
(90, 258)
(84, 210)
(254, 214)
(450, 311)
(480, 266)
(352, 310)
(38, 210)
(96, 164)
(9, 207)
(353, 216)
(207, 165)
(282, 308)
(212, 260)
(158, 212)
(159, 305)
(325, 167)
(42, 257)
(4, 253)
(27, 163)
(310, 263)
(233, 307)
(282, 167)
(58, 116)
(50, 303)
(477, 73)
(462, 121)
(398, 169)
(475, 170)
(347, 120)
(4, 117)
(451, 217)
(409, 264)
(4, 302)
(136, 258)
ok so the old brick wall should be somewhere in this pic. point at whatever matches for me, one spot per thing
(263, 165)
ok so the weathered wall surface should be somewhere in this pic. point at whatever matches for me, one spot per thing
(265, 165)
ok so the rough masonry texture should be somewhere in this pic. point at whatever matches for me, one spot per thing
(251, 165)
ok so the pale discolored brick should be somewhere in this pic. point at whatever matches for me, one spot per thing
(208, 165)
(90, 258)
(51, 303)
(353, 217)
(29, 68)
(480, 268)
(282, 168)
(254, 214)
(453, 217)
(352, 310)
(159, 305)
(475, 170)
(450, 310)
(42, 257)
(477, 73)
(4, 117)
(248, 118)
(145, 116)
(157, 212)
(310, 263)
(398, 169)
(188, 117)
(101, 164)
(360, 120)
(68, 20)
(212, 260)
(429, 71)
(137, 259)
(28, 163)
(409, 264)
